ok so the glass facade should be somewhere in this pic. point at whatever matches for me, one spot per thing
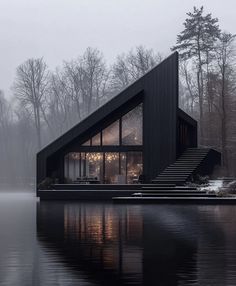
(103, 167)
(127, 130)
(109, 165)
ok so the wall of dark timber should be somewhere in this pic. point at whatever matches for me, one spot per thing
(160, 116)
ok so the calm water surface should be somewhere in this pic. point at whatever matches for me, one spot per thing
(74, 243)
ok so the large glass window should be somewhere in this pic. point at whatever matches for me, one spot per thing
(131, 131)
(110, 135)
(132, 127)
(108, 167)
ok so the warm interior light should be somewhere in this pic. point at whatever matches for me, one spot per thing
(111, 157)
(94, 157)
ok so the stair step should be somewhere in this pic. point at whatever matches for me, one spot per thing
(191, 159)
(196, 151)
(167, 178)
(153, 185)
(183, 168)
(168, 181)
(171, 195)
(185, 164)
(174, 175)
(175, 172)
(157, 188)
(190, 156)
(179, 167)
(177, 190)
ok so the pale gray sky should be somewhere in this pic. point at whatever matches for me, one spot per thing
(62, 29)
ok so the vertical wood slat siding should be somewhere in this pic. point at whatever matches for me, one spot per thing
(158, 90)
(160, 117)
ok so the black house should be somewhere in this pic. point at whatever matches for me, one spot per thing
(135, 136)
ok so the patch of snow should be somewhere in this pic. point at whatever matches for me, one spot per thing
(214, 185)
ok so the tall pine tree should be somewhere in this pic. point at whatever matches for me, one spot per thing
(197, 42)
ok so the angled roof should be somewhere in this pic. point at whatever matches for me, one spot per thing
(130, 93)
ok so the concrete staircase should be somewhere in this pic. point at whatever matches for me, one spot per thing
(169, 187)
(192, 162)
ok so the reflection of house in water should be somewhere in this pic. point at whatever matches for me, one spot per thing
(114, 240)
(117, 244)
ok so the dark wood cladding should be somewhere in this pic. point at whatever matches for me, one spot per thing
(160, 114)
(158, 90)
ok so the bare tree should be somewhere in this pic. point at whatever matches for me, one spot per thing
(131, 66)
(86, 81)
(93, 77)
(5, 137)
(187, 79)
(25, 141)
(30, 88)
(62, 112)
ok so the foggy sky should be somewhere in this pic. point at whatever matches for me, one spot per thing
(62, 29)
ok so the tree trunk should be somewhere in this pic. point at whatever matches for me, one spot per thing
(223, 124)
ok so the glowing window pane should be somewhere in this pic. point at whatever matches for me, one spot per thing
(94, 162)
(110, 135)
(132, 127)
(96, 140)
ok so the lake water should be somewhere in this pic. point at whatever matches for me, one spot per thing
(73, 243)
